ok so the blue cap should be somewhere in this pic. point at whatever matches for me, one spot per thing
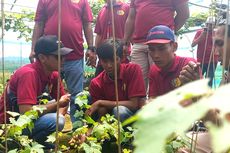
(161, 35)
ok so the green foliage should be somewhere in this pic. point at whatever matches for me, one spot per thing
(18, 143)
(165, 116)
(96, 7)
(20, 22)
(91, 137)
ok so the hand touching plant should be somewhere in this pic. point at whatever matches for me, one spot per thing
(64, 100)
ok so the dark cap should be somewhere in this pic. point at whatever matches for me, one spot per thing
(160, 34)
(49, 45)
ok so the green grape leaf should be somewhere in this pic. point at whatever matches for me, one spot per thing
(13, 151)
(78, 114)
(13, 114)
(164, 115)
(220, 137)
(51, 138)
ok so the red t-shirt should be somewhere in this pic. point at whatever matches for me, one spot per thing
(104, 20)
(201, 52)
(29, 82)
(161, 82)
(130, 84)
(74, 14)
(150, 13)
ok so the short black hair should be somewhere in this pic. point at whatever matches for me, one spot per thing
(105, 50)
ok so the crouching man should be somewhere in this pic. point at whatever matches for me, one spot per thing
(29, 82)
(131, 88)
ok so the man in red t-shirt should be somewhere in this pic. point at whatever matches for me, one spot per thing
(131, 89)
(169, 71)
(76, 16)
(28, 83)
(205, 52)
(103, 27)
(145, 14)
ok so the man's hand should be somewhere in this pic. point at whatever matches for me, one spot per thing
(189, 72)
(64, 100)
(94, 107)
(90, 58)
(32, 57)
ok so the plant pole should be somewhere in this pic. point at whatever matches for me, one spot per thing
(225, 40)
(3, 72)
(59, 70)
(115, 76)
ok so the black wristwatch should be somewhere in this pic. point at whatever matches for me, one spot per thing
(92, 48)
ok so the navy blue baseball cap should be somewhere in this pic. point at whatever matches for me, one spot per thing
(48, 45)
(160, 34)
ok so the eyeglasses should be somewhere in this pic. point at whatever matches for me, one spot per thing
(219, 43)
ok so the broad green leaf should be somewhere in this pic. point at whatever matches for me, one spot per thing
(39, 108)
(92, 148)
(164, 115)
(130, 120)
(78, 114)
(220, 137)
(77, 124)
(24, 140)
(13, 151)
(13, 114)
(126, 151)
(1, 132)
(37, 148)
(89, 120)
(51, 138)
(220, 99)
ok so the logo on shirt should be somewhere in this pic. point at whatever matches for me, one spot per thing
(176, 82)
(120, 12)
(75, 1)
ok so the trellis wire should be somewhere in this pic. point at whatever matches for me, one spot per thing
(59, 72)
(115, 71)
(3, 73)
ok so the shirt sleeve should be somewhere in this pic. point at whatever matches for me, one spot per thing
(95, 90)
(136, 87)
(197, 35)
(98, 29)
(41, 14)
(87, 13)
(27, 89)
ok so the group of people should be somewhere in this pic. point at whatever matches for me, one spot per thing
(148, 25)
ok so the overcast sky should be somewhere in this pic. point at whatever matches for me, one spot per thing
(13, 48)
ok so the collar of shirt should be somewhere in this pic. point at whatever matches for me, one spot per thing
(117, 4)
(172, 68)
(107, 79)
